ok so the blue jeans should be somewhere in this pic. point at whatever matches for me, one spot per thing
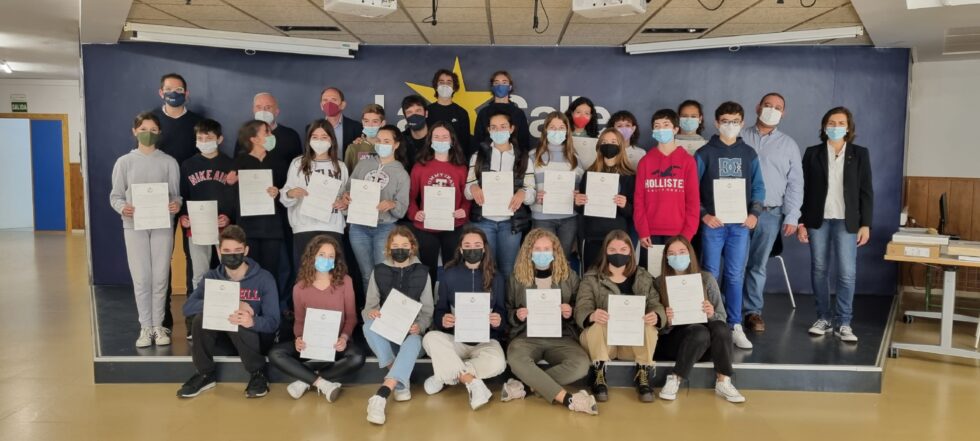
(400, 364)
(503, 243)
(369, 247)
(732, 241)
(760, 245)
(833, 235)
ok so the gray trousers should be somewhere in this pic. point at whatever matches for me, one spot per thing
(200, 261)
(148, 253)
(567, 363)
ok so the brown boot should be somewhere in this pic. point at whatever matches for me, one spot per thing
(755, 323)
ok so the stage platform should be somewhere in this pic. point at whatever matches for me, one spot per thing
(785, 357)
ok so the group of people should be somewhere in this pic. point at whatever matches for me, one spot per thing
(287, 261)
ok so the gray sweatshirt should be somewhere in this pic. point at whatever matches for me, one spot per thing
(712, 293)
(137, 167)
(394, 182)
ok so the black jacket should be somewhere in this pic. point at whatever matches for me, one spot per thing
(459, 278)
(858, 194)
(521, 220)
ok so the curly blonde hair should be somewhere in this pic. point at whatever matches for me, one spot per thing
(524, 267)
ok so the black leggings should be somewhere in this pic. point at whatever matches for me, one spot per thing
(430, 246)
(285, 357)
(266, 253)
(688, 344)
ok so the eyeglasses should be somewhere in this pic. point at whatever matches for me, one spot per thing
(726, 122)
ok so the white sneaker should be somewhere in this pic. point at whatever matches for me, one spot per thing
(669, 391)
(329, 389)
(738, 336)
(161, 336)
(146, 337)
(403, 394)
(846, 334)
(296, 389)
(583, 402)
(725, 389)
(479, 393)
(820, 327)
(376, 410)
(433, 385)
(512, 390)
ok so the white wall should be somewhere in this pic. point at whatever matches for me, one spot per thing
(943, 120)
(50, 96)
(16, 186)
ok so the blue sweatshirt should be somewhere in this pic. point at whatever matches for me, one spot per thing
(459, 278)
(719, 161)
(258, 289)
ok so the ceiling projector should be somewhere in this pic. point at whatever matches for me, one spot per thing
(608, 8)
(363, 8)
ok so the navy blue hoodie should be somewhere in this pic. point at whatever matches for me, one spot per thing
(258, 289)
(716, 160)
(459, 278)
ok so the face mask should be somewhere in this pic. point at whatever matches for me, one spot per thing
(265, 115)
(835, 133)
(441, 146)
(542, 259)
(730, 130)
(770, 116)
(499, 137)
(679, 262)
(415, 122)
(147, 138)
(270, 143)
(581, 121)
(473, 256)
(331, 109)
(690, 124)
(400, 255)
(663, 136)
(319, 146)
(371, 132)
(609, 151)
(383, 150)
(174, 99)
(233, 261)
(557, 137)
(323, 264)
(617, 260)
(627, 132)
(207, 146)
(444, 91)
(501, 90)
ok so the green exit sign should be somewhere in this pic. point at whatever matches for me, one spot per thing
(18, 102)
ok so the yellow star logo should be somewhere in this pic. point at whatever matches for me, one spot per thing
(470, 101)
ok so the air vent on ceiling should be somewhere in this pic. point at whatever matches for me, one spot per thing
(962, 41)
(309, 28)
(674, 30)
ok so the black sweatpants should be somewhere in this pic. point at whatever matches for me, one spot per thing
(431, 245)
(247, 342)
(266, 253)
(285, 357)
(687, 344)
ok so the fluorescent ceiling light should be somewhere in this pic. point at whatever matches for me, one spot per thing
(236, 40)
(5, 67)
(921, 4)
(745, 40)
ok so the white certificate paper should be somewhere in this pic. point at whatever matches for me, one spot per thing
(439, 203)
(364, 199)
(221, 299)
(685, 296)
(253, 194)
(691, 145)
(152, 206)
(601, 188)
(322, 193)
(544, 313)
(626, 320)
(321, 329)
(730, 206)
(559, 192)
(204, 222)
(397, 315)
(498, 190)
(472, 312)
(655, 258)
(585, 150)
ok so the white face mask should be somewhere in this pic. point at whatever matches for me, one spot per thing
(444, 91)
(207, 146)
(319, 146)
(730, 130)
(265, 115)
(770, 116)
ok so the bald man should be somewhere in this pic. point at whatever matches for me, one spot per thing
(288, 142)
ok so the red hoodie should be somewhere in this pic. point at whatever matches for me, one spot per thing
(437, 174)
(667, 195)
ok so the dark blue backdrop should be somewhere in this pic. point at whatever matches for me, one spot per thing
(122, 80)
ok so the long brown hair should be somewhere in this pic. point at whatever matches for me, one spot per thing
(667, 270)
(307, 269)
(486, 265)
(456, 156)
(248, 131)
(524, 267)
(602, 265)
(306, 160)
(403, 231)
(622, 165)
(851, 127)
(568, 151)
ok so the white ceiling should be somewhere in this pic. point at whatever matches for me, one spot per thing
(890, 24)
(39, 38)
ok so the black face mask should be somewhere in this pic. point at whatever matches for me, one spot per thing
(400, 255)
(415, 122)
(617, 260)
(609, 151)
(233, 261)
(473, 256)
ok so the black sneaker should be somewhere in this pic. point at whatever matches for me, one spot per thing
(597, 376)
(197, 384)
(642, 381)
(258, 386)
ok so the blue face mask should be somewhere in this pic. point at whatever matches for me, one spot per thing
(542, 259)
(557, 137)
(383, 150)
(441, 146)
(323, 264)
(174, 99)
(679, 262)
(371, 132)
(835, 133)
(689, 124)
(663, 136)
(501, 90)
(500, 136)
(270, 143)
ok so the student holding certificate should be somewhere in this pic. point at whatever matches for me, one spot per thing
(401, 272)
(254, 322)
(541, 266)
(322, 283)
(441, 165)
(471, 271)
(688, 344)
(618, 274)
(593, 229)
(147, 250)
(732, 194)
(557, 169)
